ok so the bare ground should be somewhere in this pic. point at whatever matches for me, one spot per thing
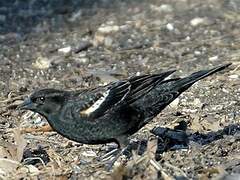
(76, 44)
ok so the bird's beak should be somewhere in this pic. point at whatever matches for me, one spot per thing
(26, 105)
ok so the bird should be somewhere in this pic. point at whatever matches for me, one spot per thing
(113, 112)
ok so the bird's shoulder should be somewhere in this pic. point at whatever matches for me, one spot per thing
(96, 101)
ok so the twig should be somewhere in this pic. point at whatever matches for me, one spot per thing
(46, 128)
(236, 68)
(156, 165)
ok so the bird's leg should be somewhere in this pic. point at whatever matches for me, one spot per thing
(109, 154)
(111, 162)
(122, 147)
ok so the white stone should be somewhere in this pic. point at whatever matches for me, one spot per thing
(89, 154)
(42, 63)
(196, 21)
(214, 58)
(138, 73)
(188, 38)
(225, 90)
(65, 50)
(234, 76)
(108, 29)
(83, 60)
(170, 26)
(197, 53)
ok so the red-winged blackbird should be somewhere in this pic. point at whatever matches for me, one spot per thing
(113, 112)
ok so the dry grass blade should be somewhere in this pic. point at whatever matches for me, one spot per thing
(12, 153)
(46, 128)
(152, 147)
(20, 144)
(15, 151)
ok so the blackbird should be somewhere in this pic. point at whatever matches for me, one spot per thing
(113, 112)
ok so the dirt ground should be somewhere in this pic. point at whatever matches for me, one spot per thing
(78, 44)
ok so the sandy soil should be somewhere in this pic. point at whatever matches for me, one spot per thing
(78, 44)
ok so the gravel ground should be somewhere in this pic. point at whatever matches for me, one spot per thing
(78, 44)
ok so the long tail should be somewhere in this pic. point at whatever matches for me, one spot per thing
(168, 90)
(188, 81)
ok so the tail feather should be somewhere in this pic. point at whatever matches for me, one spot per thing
(168, 90)
(186, 82)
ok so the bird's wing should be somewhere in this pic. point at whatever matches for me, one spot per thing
(100, 100)
(141, 85)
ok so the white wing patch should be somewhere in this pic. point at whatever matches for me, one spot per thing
(96, 105)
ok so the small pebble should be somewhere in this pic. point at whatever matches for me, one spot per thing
(138, 73)
(65, 50)
(214, 58)
(197, 21)
(89, 154)
(234, 76)
(197, 53)
(225, 90)
(42, 63)
(188, 38)
(108, 29)
(83, 60)
(170, 26)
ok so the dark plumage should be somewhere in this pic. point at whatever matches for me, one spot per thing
(113, 112)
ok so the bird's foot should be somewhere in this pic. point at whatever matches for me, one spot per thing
(111, 159)
(110, 163)
(108, 155)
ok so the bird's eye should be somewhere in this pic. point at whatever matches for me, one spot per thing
(40, 100)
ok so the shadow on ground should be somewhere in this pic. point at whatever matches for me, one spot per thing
(177, 138)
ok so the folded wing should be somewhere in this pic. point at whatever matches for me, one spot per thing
(100, 100)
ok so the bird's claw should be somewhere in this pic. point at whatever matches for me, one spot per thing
(109, 164)
(108, 155)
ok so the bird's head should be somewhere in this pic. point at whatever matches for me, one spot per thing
(45, 101)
